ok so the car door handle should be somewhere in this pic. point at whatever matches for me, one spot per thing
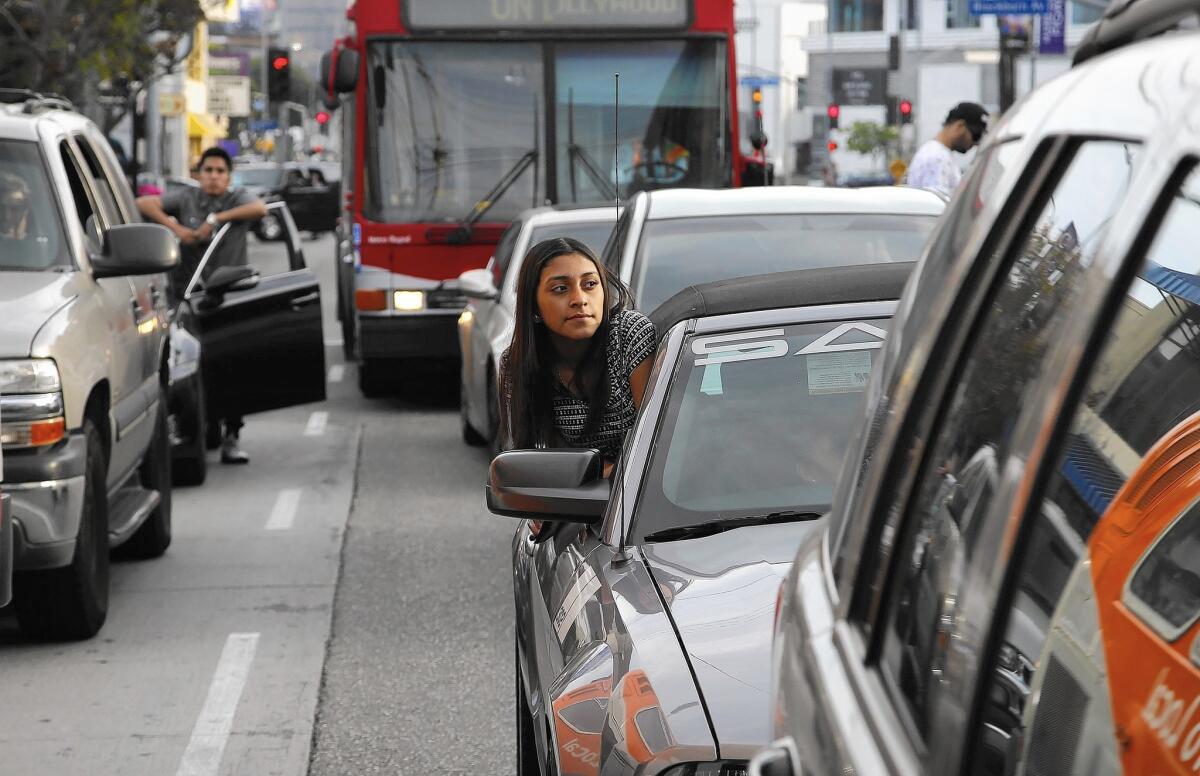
(301, 302)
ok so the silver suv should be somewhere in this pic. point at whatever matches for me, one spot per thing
(83, 365)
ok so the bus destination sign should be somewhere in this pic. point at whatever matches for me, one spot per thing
(533, 15)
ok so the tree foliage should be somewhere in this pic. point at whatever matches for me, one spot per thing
(869, 138)
(69, 46)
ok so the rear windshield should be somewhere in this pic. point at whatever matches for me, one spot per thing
(593, 235)
(678, 252)
(31, 232)
(757, 422)
(264, 177)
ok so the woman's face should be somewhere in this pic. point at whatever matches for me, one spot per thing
(570, 296)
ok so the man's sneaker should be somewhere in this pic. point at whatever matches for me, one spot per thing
(231, 453)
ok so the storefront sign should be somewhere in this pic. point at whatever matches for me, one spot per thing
(1006, 7)
(532, 15)
(229, 95)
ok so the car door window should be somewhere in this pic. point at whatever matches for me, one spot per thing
(89, 221)
(106, 194)
(1145, 382)
(502, 258)
(952, 496)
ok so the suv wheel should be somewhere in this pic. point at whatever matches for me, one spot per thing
(153, 537)
(269, 228)
(72, 602)
(469, 434)
(527, 764)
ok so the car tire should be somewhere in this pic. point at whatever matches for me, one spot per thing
(527, 757)
(71, 603)
(348, 338)
(269, 229)
(153, 537)
(190, 467)
(370, 378)
(469, 434)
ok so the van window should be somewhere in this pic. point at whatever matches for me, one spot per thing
(1146, 381)
(926, 628)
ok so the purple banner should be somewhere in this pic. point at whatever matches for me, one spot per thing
(1052, 39)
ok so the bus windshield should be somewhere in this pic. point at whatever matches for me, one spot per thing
(452, 120)
(449, 120)
(673, 119)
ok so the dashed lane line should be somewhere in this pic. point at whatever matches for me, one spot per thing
(283, 514)
(336, 373)
(316, 423)
(207, 744)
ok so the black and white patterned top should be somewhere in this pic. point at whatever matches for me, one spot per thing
(631, 341)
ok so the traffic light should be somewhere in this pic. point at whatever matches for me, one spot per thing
(279, 74)
(833, 112)
(906, 111)
(756, 97)
(322, 117)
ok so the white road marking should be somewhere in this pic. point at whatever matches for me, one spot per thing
(336, 373)
(316, 423)
(283, 515)
(334, 342)
(203, 754)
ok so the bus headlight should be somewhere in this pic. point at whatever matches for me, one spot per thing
(408, 301)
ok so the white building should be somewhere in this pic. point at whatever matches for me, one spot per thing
(947, 56)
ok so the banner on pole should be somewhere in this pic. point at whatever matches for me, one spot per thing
(1052, 39)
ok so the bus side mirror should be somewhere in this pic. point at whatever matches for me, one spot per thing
(342, 64)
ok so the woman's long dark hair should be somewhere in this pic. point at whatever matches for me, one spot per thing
(527, 374)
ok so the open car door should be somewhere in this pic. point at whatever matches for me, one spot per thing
(259, 326)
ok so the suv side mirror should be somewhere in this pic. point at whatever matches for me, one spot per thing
(776, 759)
(136, 249)
(561, 485)
(226, 279)
(477, 284)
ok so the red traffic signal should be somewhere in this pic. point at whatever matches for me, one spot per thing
(833, 146)
(906, 107)
(322, 117)
(833, 111)
(279, 63)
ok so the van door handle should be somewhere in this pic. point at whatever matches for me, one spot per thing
(301, 302)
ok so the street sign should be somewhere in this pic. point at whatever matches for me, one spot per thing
(263, 126)
(1007, 7)
(171, 104)
(860, 86)
(759, 81)
(229, 95)
(1052, 29)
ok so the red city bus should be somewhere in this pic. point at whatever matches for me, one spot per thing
(449, 107)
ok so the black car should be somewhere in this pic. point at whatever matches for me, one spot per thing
(274, 302)
(311, 196)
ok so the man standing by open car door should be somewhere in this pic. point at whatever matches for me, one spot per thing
(197, 215)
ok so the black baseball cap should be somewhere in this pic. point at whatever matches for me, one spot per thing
(973, 115)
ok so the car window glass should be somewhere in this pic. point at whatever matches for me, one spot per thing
(31, 233)
(504, 251)
(101, 185)
(88, 221)
(676, 253)
(947, 242)
(1029, 306)
(1144, 384)
(592, 234)
(757, 422)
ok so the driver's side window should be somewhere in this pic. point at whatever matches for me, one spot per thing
(89, 221)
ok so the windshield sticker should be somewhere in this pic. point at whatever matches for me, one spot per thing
(710, 383)
(748, 346)
(825, 343)
(586, 583)
(845, 372)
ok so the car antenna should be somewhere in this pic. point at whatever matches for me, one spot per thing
(622, 555)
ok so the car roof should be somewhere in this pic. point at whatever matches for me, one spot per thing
(570, 214)
(686, 203)
(780, 290)
(18, 123)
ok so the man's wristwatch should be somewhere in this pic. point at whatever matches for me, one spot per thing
(212, 220)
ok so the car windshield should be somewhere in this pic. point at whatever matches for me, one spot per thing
(757, 422)
(259, 177)
(592, 234)
(31, 232)
(679, 252)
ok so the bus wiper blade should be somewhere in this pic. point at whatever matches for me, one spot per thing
(725, 524)
(467, 224)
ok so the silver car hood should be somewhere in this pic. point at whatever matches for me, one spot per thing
(27, 301)
(721, 591)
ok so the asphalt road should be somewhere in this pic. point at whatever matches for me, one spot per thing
(342, 605)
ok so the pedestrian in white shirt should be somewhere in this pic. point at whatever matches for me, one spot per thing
(933, 166)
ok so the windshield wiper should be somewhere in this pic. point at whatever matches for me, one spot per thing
(726, 524)
(467, 224)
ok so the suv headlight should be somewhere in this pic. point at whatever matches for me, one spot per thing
(31, 403)
(28, 375)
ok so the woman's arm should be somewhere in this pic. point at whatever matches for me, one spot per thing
(638, 379)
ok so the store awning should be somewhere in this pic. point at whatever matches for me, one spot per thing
(203, 125)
